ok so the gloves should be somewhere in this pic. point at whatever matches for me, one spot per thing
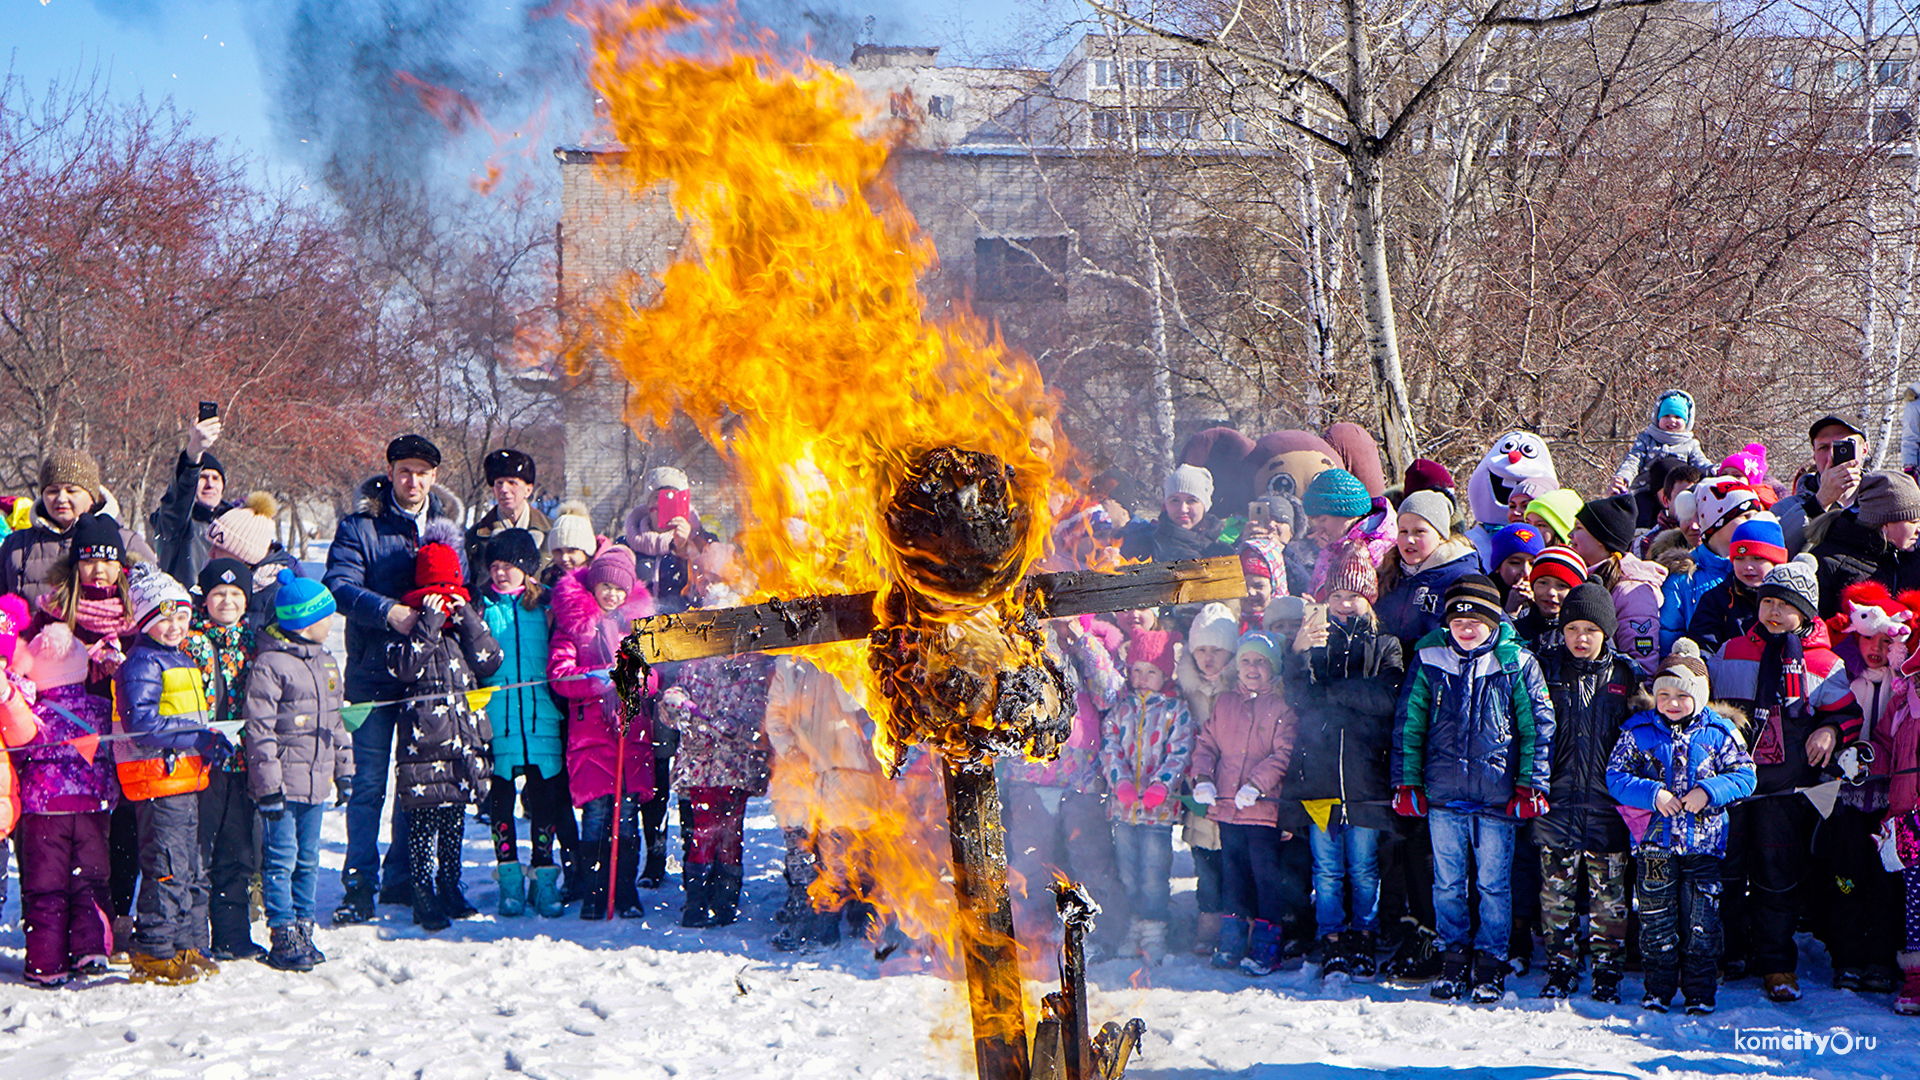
(1153, 796)
(1126, 793)
(213, 748)
(1526, 803)
(342, 790)
(1409, 801)
(1205, 792)
(1246, 796)
(273, 807)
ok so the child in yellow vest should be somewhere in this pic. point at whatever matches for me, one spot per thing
(163, 751)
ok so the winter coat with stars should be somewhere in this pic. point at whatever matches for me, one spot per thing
(719, 706)
(443, 747)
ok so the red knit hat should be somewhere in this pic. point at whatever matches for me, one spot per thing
(1152, 647)
(438, 567)
(1559, 562)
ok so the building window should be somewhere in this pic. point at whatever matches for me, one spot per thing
(1024, 269)
(1103, 72)
(1109, 124)
(1234, 129)
(1173, 75)
(940, 106)
(1846, 73)
(1781, 75)
(1141, 72)
(1890, 73)
(1164, 124)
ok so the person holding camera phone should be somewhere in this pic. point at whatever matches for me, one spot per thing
(1840, 453)
(661, 531)
(196, 497)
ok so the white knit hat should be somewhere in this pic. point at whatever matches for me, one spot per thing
(572, 528)
(149, 592)
(1684, 672)
(1189, 480)
(666, 476)
(1215, 626)
(246, 532)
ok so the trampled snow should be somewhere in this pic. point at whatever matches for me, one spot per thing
(566, 998)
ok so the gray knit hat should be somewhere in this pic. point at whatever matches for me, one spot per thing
(1797, 581)
(1887, 497)
(1436, 509)
(1190, 480)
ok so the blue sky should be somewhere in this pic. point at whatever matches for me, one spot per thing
(223, 60)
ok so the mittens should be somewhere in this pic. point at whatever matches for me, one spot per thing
(1126, 793)
(1409, 801)
(272, 807)
(1205, 792)
(1155, 795)
(1246, 796)
(1526, 803)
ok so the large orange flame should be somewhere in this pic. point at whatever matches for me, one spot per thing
(792, 332)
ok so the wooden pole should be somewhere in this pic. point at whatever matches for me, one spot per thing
(994, 994)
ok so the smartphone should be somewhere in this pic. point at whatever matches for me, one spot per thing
(209, 410)
(1316, 615)
(1844, 450)
(670, 504)
(1260, 512)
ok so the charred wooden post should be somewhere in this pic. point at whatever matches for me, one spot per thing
(817, 620)
(994, 995)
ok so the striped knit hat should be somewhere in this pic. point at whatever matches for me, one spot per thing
(1559, 562)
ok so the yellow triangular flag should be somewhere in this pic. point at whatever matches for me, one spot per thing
(477, 699)
(1320, 810)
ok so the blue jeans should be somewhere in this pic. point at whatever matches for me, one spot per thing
(372, 757)
(1485, 841)
(1350, 854)
(290, 872)
(1145, 853)
(596, 819)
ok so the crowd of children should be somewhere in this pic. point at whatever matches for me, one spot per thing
(1664, 728)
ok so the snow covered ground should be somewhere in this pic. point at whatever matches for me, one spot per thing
(566, 998)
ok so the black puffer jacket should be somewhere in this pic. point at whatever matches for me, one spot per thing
(443, 751)
(1592, 699)
(1160, 540)
(1723, 613)
(369, 567)
(179, 524)
(1344, 693)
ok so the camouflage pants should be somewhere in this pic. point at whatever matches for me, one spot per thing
(1563, 872)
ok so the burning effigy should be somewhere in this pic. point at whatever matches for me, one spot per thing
(895, 485)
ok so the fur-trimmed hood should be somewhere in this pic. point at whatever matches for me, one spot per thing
(577, 614)
(1671, 550)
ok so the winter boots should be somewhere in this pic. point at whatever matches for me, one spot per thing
(654, 874)
(547, 898)
(1418, 958)
(574, 863)
(1456, 969)
(1560, 979)
(1363, 947)
(453, 900)
(725, 897)
(1908, 1003)
(305, 926)
(427, 913)
(175, 970)
(357, 906)
(1333, 956)
(1606, 983)
(696, 879)
(1263, 949)
(1231, 946)
(1489, 978)
(1782, 987)
(287, 954)
(513, 889)
(626, 894)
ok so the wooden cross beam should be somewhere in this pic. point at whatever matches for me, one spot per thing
(817, 620)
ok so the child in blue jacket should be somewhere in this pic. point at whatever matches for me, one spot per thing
(1679, 765)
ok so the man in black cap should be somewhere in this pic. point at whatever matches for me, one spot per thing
(369, 567)
(196, 497)
(1834, 481)
(511, 476)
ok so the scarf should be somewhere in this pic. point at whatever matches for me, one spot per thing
(1668, 438)
(98, 611)
(221, 653)
(1782, 685)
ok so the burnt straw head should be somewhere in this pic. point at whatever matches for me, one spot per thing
(956, 526)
